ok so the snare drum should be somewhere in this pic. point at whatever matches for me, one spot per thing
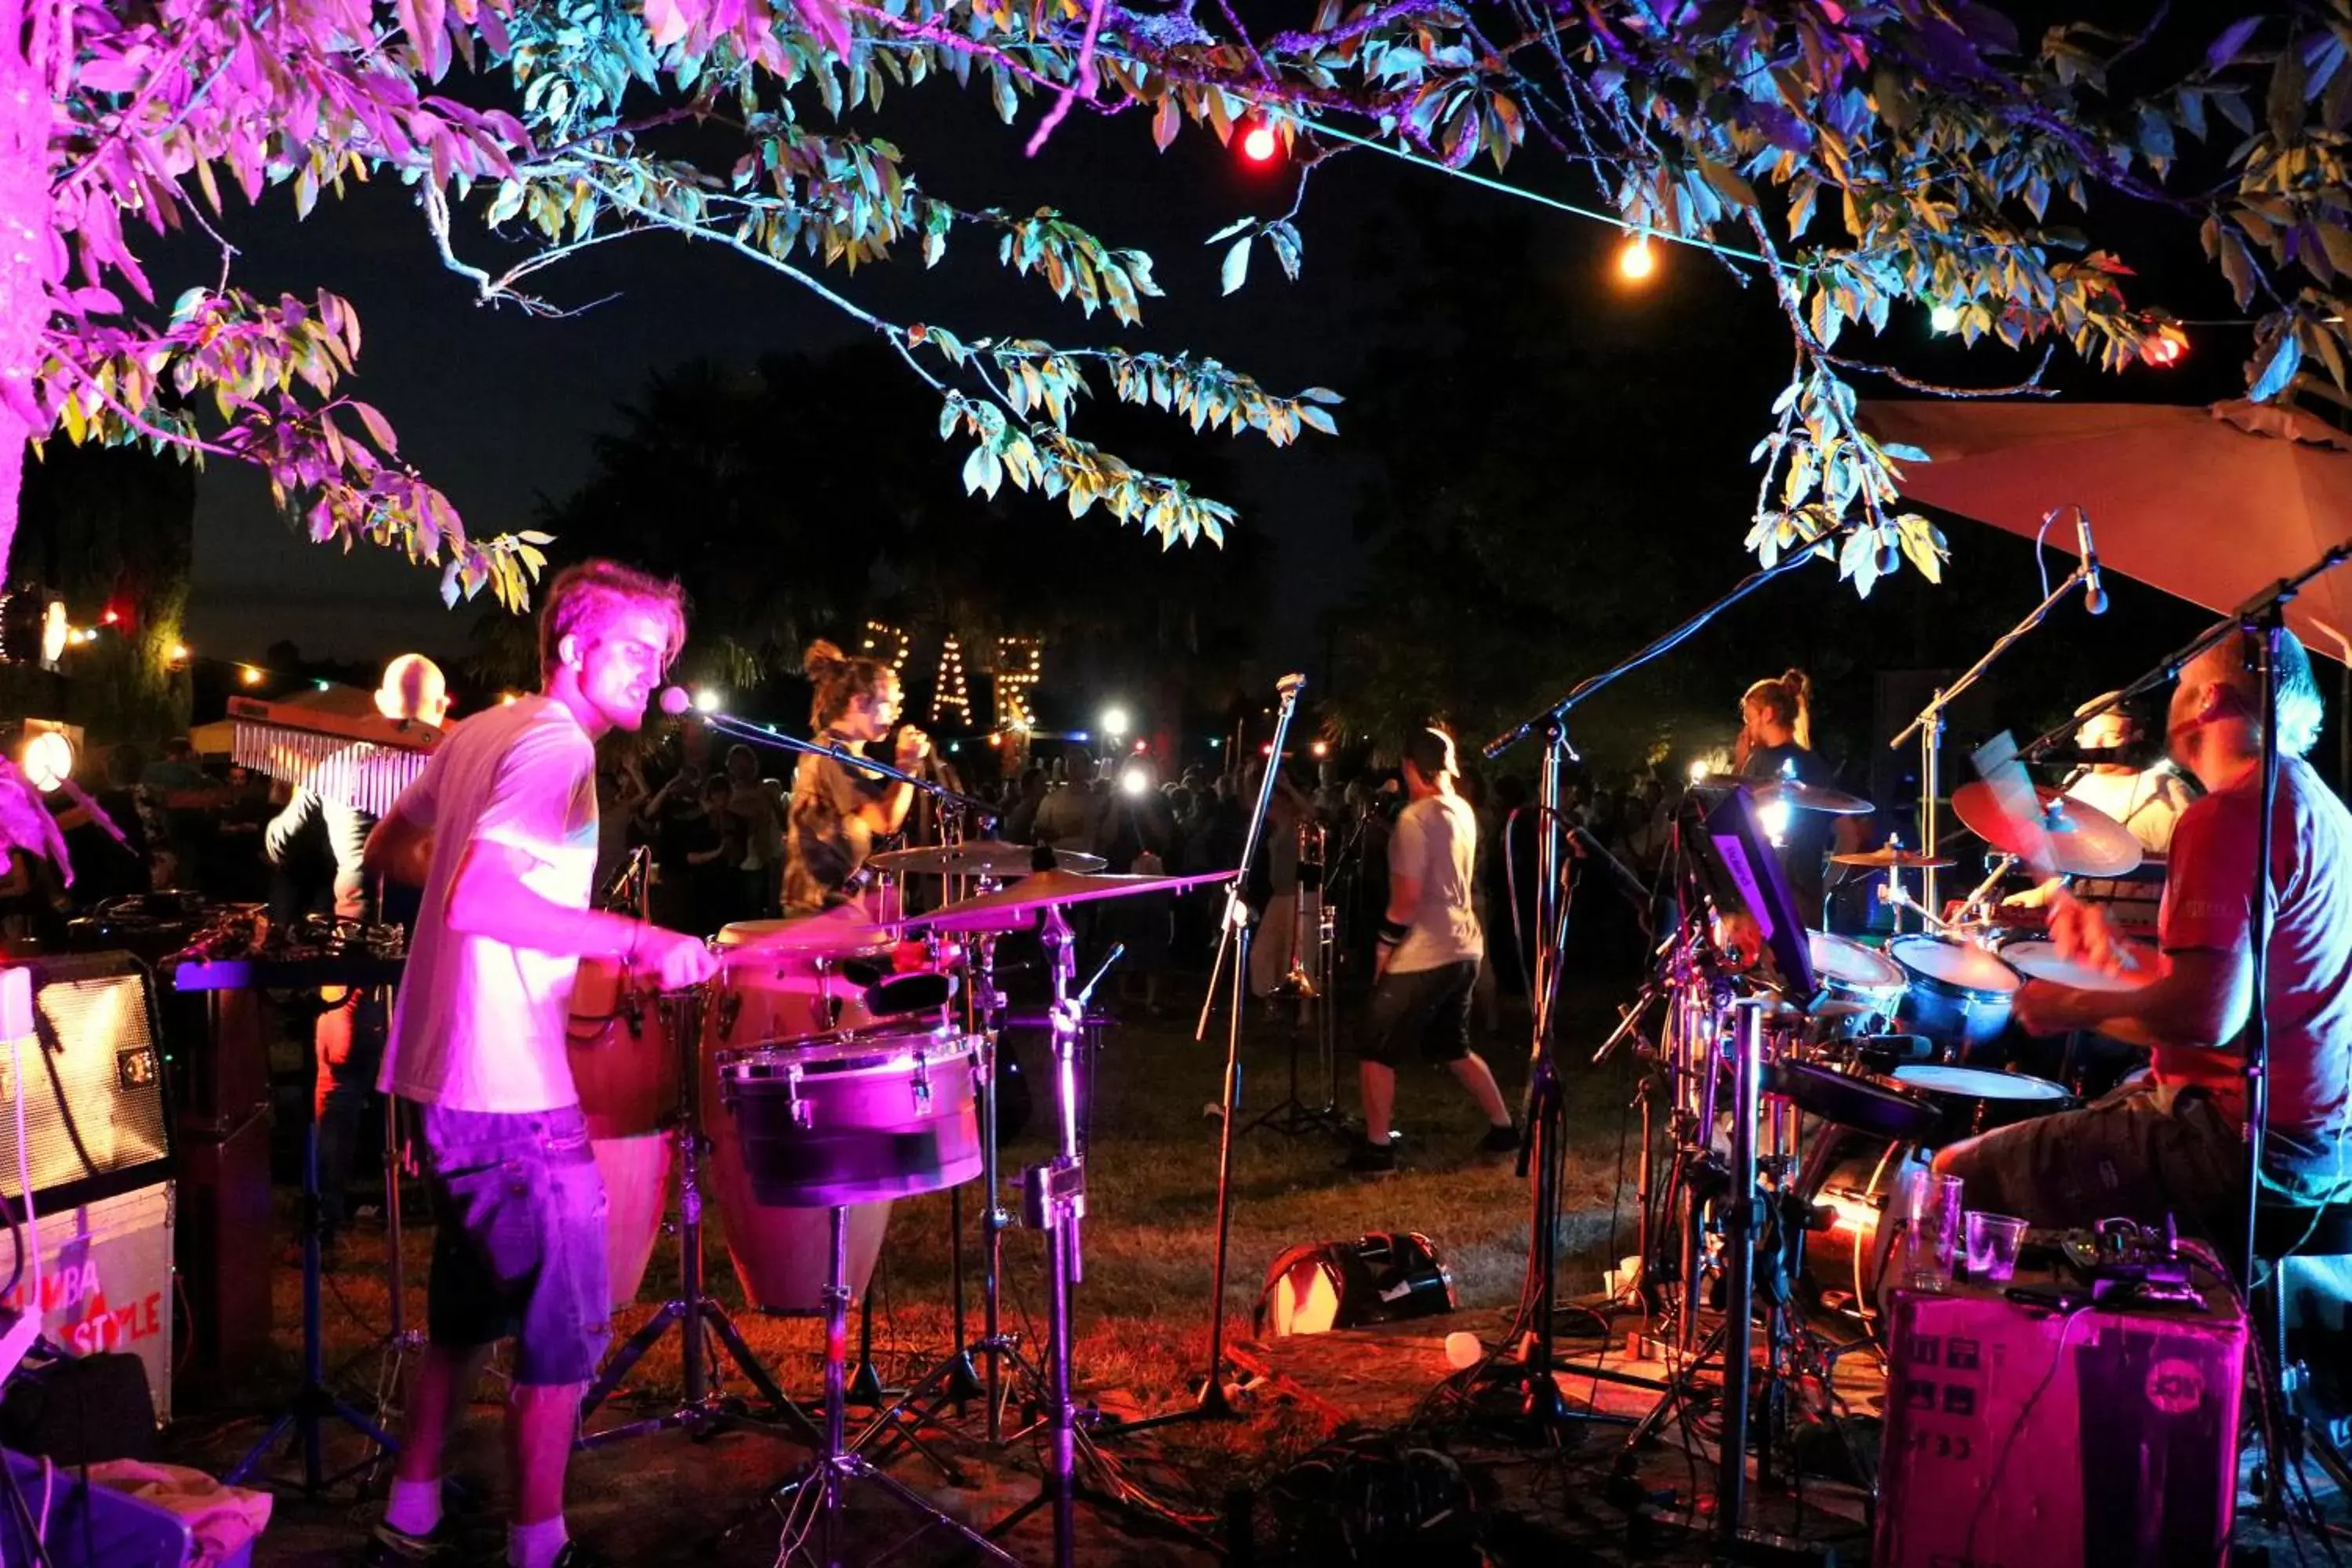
(1958, 994)
(2038, 959)
(855, 1116)
(2089, 1064)
(1849, 972)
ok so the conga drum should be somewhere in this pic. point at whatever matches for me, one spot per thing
(625, 1070)
(781, 1254)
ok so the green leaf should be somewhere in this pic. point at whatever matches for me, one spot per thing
(2278, 368)
(1235, 270)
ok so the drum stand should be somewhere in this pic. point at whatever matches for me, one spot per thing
(315, 1403)
(693, 1309)
(1731, 1344)
(814, 1496)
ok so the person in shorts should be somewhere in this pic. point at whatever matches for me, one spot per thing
(1426, 962)
(499, 830)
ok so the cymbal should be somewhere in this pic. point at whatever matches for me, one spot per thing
(1890, 859)
(989, 857)
(1013, 908)
(1812, 797)
(806, 933)
(1793, 792)
(2070, 837)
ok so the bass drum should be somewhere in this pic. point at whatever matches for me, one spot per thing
(1849, 1261)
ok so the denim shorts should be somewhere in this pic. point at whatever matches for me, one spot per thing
(1423, 1009)
(518, 1239)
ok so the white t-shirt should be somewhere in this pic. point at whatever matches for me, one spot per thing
(1436, 843)
(479, 1025)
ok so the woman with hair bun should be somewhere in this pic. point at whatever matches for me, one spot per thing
(1776, 742)
(837, 810)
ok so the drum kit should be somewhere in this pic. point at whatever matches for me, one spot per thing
(1898, 1050)
(820, 1076)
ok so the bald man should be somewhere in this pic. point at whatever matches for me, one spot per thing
(349, 1035)
(2173, 1141)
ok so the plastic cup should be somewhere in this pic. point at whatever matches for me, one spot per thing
(1993, 1240)
(1932, 1231)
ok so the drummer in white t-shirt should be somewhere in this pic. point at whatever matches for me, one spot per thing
(500, 832)
(2147, 801)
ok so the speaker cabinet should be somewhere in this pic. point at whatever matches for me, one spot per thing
(91, 1085)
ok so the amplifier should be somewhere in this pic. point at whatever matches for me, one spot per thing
(93, 1090)
(106, 1282)
(2021, 1438)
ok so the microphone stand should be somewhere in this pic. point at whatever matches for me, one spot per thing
(742, 729)
(1930, 727)
(1213, 1404)
(1539, 1161)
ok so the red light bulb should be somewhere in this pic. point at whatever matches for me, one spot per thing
(1259, 143)
(2165, 352)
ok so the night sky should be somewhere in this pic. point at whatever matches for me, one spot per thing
(498, 408)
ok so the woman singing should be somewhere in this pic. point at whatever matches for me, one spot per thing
(837, 810)
(1776, 742)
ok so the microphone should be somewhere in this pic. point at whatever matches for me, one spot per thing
(2087, 754)
(675, 702)
(2095, 597)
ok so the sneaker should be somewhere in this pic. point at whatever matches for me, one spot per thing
(1500, 1140)
(394, 1548)
(1371, 1159)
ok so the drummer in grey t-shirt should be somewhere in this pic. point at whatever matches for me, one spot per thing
(1427, 961)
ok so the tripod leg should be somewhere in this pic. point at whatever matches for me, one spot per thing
(617, 1368)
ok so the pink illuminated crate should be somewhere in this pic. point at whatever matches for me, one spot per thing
(2019, 1438)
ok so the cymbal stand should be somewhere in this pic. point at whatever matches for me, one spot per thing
(955, 1380)
(1316, 982)
(1054, 1200)
(1929, 725)
(697, 1313)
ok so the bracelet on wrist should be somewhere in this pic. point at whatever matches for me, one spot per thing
(1393, 932)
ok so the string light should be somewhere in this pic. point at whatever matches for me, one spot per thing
(1019, 663)
(886, 641)
(179, 653)
(2165, 352)
(950, 689)
(1636, 262)
(1945, 318)
(1259, 143)
(250, 675)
